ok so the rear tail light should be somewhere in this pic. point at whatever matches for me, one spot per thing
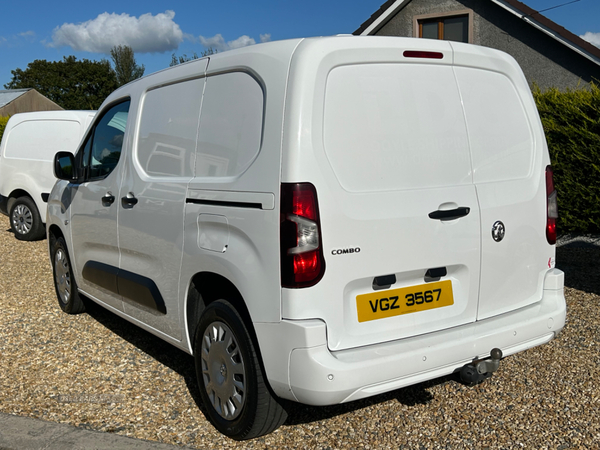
(552, 207)
(302, 262)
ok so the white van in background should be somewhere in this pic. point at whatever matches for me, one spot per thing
(28, 146)
(319, 220)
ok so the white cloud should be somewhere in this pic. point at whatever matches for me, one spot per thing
(17, 39)
(592, 38)
(144, 34)
(218, 42)
(28, 34)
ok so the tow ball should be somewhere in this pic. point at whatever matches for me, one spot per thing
(481, 369)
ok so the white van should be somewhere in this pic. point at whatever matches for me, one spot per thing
(318, 220)
(28, 146)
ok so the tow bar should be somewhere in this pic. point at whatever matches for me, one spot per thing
(481, 369)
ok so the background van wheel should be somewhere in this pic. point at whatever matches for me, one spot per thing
(25, 220)
(232, 385)
(64, 281)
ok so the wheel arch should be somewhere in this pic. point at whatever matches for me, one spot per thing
(54, 232)
(14, 195)
(203, 289)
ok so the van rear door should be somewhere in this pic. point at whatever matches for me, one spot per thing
(399, 212)
(509, 156)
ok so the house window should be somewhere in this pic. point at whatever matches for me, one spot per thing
(455, 26)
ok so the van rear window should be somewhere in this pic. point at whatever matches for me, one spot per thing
(40, 139)
(394, 127)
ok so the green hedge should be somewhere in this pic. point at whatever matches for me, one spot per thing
(3, 121)
(571, 121)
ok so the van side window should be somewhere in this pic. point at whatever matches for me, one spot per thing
(106, 142)
(231, 123)
(168, 128)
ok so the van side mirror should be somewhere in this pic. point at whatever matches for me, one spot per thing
(64, 166)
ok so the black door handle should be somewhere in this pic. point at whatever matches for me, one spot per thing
(129, 201)
(108, 199)
(450, 214)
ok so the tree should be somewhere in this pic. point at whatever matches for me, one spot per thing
(69, 83)
(125, 67)
(175, 60)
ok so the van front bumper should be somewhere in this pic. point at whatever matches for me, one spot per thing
(300, 367)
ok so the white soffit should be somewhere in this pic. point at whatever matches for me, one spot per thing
(384, 17)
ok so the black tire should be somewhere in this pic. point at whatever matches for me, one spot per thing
(227, 368)
(25, 220)
(64, 281)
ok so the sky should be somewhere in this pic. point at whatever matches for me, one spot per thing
(156, 29)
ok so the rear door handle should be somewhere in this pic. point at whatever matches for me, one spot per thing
(450, 214)
(129, 201)
(108, 199)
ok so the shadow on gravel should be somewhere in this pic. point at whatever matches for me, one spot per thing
(166, 354)
(183, 364)
(581, 265)
(409, 396)
(10, 231)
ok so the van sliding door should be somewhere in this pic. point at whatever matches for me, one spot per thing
(152, 200)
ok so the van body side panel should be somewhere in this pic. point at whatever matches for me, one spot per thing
(245, 198)
(30, 142)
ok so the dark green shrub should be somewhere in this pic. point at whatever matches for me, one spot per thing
(571, 122)
(3, 121)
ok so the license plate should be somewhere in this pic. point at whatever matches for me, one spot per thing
(395, 302)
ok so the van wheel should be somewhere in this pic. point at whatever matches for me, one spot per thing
(232, 385)
(64, 281)
(25, 220)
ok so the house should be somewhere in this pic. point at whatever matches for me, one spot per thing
(15, 101)
(549, 55)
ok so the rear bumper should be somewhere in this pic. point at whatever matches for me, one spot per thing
(300, 367)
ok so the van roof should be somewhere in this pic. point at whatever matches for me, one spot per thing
(309, 50)
(50, 115)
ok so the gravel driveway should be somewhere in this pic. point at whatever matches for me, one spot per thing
(97, 371)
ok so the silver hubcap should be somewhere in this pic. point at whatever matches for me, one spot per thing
(22, 219)
(223, 370)
(62, 275)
